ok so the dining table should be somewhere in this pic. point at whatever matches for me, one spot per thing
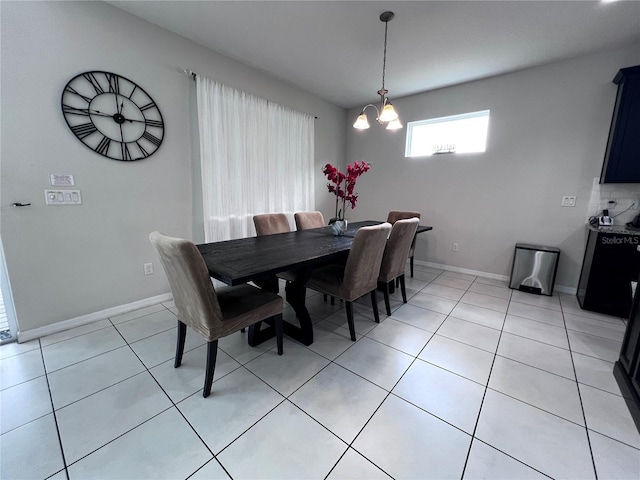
(259, 259)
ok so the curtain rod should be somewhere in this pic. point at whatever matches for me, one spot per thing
(192, 74)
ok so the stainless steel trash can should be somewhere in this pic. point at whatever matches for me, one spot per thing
(534, 268)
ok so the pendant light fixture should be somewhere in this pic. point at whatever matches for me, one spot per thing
(386, 113)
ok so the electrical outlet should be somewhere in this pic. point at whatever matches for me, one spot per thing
(568, 201)
(148, 268)
(455, 247)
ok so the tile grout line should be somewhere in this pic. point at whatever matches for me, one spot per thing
(53, 411)
(584, 415)
(173, 404)
(473, 435)
(486, 387)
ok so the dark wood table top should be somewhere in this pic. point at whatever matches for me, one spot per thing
(238, 261)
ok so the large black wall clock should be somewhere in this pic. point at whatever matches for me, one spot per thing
(112, 115)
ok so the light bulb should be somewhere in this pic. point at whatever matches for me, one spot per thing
(361, 123)
(394, 124)
(388, 113)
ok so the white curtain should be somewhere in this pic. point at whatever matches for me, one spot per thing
(256, 157)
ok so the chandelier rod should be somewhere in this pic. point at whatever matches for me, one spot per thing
(384, 58)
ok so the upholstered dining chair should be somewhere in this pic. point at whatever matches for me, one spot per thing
(395, 215)
(270, 223)
(359, 275)
(211, 313)
(308, 220)
(395, 257)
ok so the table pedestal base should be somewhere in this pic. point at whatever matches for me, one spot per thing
(295, 296)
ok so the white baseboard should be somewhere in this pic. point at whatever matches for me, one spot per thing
(494, 276)
(25, 336)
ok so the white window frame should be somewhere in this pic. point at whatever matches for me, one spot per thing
(444, 146)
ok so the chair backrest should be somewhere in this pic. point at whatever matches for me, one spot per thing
(193, 292)
(397, 249)
(270, 223)
(395, 215)
(307, 220)
(363, 264)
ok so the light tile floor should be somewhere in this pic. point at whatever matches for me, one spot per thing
(468, 380)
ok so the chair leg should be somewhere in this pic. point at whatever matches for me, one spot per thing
(411, 265)
(243, 330)
(182, 334)
(277, 320)
(212, 353)
(324, 297)
(374, 304)
(403, 289)
(352, 327)
(387, 304)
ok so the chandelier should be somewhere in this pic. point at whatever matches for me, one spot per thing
(386, 113)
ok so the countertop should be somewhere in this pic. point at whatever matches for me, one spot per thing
(619, 229)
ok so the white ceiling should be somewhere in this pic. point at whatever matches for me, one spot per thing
(333, 49)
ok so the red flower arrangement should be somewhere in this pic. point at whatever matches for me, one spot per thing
(346, 193)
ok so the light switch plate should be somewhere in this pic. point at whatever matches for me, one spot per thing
(62, 197)
(568, 201)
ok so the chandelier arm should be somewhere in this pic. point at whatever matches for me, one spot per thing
(370, 105)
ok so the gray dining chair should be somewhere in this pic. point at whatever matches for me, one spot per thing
(308, 220)
(359, 275)
(211, 313)
(395, 257)
(393, 217)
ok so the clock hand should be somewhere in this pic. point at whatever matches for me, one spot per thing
(99, 113)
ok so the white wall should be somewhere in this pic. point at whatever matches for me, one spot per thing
(547, 136)
(69, 262)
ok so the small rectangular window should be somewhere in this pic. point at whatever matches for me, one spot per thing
(464, 133)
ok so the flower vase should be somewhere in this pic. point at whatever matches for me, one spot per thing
(339, 227)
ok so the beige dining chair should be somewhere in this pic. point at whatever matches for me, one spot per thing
(270, 223)
(308, 220)
(211, 313)
(395, 215)
(359, 275)
(395, 257)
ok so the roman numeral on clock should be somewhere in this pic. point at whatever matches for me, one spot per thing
(144, 153)
(72, 90)
(75, 111)
(114, 82)
(154, 123)
(103, 146)
(126, 155)
(84, 130)
(94, 82)
(152, 139)
(147, 106)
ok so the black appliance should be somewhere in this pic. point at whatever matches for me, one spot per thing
(611, 263)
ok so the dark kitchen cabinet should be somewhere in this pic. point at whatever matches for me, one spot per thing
(622, 156)
(627, 368)
(611, 263)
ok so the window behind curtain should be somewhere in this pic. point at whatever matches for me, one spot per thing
(256, 157)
